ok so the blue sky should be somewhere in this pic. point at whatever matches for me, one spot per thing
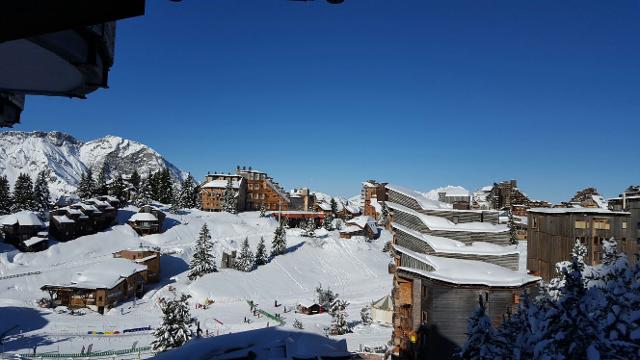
(416, 92)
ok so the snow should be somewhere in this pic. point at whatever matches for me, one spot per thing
(580, 210)
(450, 190)
(143, 217)
(441, 244)
(355, 269)
(439, 223)
(63, 219)
(33, 241)
(104, 275)
(422, 200)
(23, 218)
(363, 221)
(466, 272)
(221, 184)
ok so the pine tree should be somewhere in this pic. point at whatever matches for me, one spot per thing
(41, 194)
(338, 312)
(327, 222)
(384, 215)
(118, 187)
(175, 329)
(187, 197)
(6, 201)
(162, 186)
(135, 180)
(334, 207)
(325, 297)
(481, 341)
(23, 198)
(245, 260)
(87, 186)
(229, 201)
(365, 315)
(101, 182)
(198, 198)
(279, 243)
(310, 228)
(145, 193)
(204, 258)
(513, 230)
(262, 257)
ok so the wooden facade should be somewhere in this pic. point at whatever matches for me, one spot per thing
(630, 202)
(214, 186)
(552, 234)
(82, 218)
(372, 193)
(25, 231)
(148, 220)
(263, 191)
(145, 256)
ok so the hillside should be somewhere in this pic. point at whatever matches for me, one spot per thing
(67, 157)
(354, 268)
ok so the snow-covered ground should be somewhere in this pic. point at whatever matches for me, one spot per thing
(354, 268)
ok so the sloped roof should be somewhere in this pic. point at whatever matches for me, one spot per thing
(143, 217)
(385, 303)
(23, 218)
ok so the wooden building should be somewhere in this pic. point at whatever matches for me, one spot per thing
(148, 220)
(214, 186)
(371, 195)
(629, 201)
(263, 191)
(552, 233)
(302, 200)
(294, 218)
(100, 286)
(360, 226)
(433, 298)
(25, 231)
(144, 256)
(81, 218)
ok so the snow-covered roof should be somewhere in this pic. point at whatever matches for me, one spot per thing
(626, 197)
(87, 207)
(363, 221)
(573, 210)
(145, 259)
(34, 240)
(63, 219)
(450, 191)
(440, 223)
(324, 206)
(350, 229)
(104, 275)
(109, 198)
(420, 198)
(376, 205)
(352, 209)
(143, 217)
(466, 272)
(221, 184)
(445, 245)
(385, 303)
(71, 211)
(23, 218)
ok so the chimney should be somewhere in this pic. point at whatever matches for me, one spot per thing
(624, 201)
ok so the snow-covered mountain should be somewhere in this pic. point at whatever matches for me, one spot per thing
(67, 157)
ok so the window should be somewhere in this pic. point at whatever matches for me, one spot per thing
(424, 317)
(601, 224)
(581, 224)
(534, 222)
(624, 224)
(516, 298)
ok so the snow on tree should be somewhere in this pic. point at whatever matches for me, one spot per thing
(118, 187)
(23, 198)
(514, 337)
(135, 179)
(310, 228)
(481, 342)
(176, 321)
(365, 315)
(187, 197)
(229, 200)
(6, 201)
(87, 186)
(145, 193)
(328, 222)
(41, 194)
(245, 261)
(101, 182)
(164, 186)
(198, 198)
(334, 207)
(297, 324)
(384, 215)
(204, 258)
(338, 312)
(513, 230)
(325, 297)
(279, 243)
(262, 257)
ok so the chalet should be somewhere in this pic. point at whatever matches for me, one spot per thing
(372, 193)
(263, 191)
(101, 286)
(344, 209)
(144, 256)
(360, 226)
(148, 220)
(311, 310)
(434, 296)
(213, 188)
(552, 233)
(24, 230)
(294, 218)
(112, 200)
(81, 218)
(443, 259)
